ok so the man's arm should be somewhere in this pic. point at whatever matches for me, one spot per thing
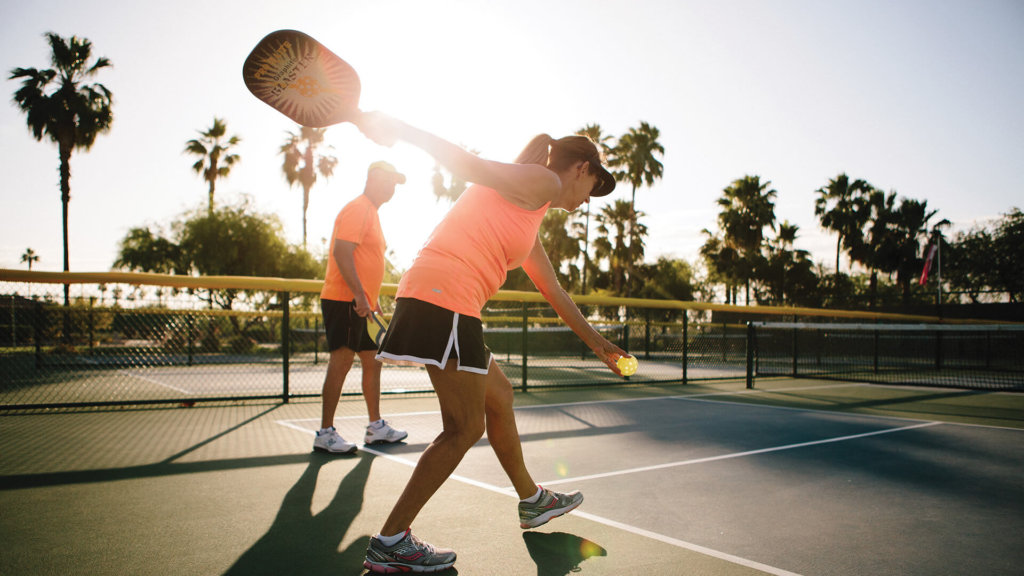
(344, 257)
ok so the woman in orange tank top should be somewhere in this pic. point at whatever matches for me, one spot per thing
(492, 228)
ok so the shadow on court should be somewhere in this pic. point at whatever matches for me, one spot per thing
(807, 478)
(300, 542)
(558, 553)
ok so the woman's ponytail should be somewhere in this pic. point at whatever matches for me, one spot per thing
(536, 152)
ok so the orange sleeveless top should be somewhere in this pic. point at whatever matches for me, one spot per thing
(466, 258)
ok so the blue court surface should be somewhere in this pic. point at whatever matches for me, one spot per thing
(796, 477)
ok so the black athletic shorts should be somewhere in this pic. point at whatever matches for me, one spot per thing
(427, 334)
(344, 327)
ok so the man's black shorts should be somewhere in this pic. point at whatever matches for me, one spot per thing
(344, 327)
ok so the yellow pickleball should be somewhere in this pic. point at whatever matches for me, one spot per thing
(627, 365)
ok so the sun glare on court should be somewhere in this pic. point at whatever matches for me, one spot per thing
(562, 469)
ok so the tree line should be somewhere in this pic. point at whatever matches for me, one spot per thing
(885, 237)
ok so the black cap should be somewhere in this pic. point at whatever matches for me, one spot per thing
(605, 181)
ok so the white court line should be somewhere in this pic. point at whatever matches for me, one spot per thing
(157, 382)
(593, 518)
(627, 527)
(686, 396)
(684, 544)
(600, 520)
(399, 459)
(735, 454)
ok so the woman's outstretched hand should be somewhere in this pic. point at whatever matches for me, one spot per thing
(379, 127)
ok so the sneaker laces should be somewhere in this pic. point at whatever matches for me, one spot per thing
(420, 543)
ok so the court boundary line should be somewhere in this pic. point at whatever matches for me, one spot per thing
(684, 544)
(637, 531)
(704, 397)
(695, 398)
(739, 454)
(153, 381)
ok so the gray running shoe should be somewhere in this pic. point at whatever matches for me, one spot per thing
(383, 434)
(550, 505)
(410, 555)
(332, 442)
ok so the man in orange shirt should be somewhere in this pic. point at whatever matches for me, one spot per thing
(355, 271)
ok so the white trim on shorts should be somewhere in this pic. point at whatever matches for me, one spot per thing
(453, 342)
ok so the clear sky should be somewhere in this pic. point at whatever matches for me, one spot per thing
(923, 97)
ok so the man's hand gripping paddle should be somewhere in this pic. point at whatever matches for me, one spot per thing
(377, 327)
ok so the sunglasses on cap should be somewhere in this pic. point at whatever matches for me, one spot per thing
(605, 181)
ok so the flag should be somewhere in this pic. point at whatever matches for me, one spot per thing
(928, 263)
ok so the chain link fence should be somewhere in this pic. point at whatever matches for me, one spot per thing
(144, 338)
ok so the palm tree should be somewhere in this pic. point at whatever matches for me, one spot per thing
(748, 206)
(215, 156)
(302, 164)
(786, 266)
(72, 114)
(879, 248)
(561, 247)
(29, 257)
(721, 261)
(594, 133)
(912, 218)
(620, 241)
(837, 207)
(635, 152)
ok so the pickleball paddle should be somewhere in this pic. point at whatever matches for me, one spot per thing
(302, 79)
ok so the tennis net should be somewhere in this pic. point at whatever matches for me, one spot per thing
(986, 357)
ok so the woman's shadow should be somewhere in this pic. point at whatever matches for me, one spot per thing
(299, 542)
(558, 553)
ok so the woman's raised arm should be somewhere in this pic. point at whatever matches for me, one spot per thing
(538, 267)
(529, 186)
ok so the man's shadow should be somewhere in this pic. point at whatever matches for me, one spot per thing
(558, 553)
(299, 542)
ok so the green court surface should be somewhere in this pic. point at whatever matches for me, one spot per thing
(794, 477)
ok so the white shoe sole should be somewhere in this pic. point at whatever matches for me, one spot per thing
(369, 441)
(329, 451)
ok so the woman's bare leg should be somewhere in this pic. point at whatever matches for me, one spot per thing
(461, 396)
(503, 434)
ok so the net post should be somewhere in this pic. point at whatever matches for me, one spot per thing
(91, 316)
(751, 340)
(285, 343)
(37, 335)
(625, 331)
(526, 322)
(190, 329)
(725, 342)
(686, 344)
(876, 351)
(796, 351)
(988, 350)
(647, 333)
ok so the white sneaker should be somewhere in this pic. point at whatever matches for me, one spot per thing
(332, 442)
(383, 433)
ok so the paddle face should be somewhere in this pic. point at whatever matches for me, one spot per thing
(376, 326)
(302, 79)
